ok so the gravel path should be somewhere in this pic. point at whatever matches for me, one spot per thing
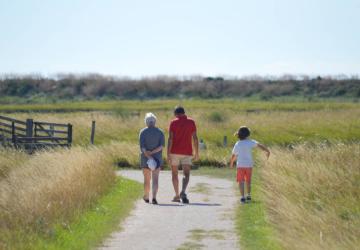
(206, 223)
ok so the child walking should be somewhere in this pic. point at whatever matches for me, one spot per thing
(242, 153)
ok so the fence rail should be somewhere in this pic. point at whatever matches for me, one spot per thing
(32, 135)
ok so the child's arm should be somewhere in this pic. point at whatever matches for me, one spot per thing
(233, 158)
(265, 149)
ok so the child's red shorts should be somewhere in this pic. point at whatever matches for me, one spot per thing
(244, 174)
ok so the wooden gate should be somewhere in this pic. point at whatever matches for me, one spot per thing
(32, 135)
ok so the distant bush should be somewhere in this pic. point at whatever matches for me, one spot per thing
(216, 117)
(99, 87)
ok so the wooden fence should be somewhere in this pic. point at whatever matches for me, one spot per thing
(32, 135)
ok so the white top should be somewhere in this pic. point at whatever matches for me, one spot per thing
(242, 150)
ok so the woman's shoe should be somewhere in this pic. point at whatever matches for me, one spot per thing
(146, 199)
(154, 201)
(176, 199)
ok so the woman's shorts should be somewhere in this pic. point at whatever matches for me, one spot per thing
(243, 174)
(177, 160)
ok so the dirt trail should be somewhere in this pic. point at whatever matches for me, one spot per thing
(206, 223)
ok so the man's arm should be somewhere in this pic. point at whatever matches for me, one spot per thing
(196, 146)
(265, 149)
(233, 158)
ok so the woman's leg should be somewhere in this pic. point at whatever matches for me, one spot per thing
(147, 177)
(155, 182)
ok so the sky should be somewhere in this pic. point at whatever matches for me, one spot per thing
(189, 37)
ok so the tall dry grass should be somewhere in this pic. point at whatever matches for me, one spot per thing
(312, 195)
(51, 187)
(276, 127)
(10, 159)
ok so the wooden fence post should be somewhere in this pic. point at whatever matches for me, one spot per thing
(29, 133)
(52, 128)
(92, 137)
(225, 141)
(13, 132)
(29, 127)
(69, 134)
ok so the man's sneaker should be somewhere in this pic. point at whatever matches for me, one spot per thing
(184, 198)
(242, 200)
(248, 197)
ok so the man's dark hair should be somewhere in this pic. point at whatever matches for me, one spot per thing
(179, 110)
(243, 132)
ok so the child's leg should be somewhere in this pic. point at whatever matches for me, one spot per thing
(241, 186)
(248, 180)
(240, 178)
(248, 186)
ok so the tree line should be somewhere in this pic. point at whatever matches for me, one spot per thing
(95, 86)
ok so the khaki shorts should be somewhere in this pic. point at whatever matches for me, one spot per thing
(177, 160)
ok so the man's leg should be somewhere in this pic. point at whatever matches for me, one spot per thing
(175, 180)
(186, 178)
(155, 182)
(147, 177)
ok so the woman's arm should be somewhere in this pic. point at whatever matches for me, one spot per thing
(265, 149)
(158, 149)
(146, 153)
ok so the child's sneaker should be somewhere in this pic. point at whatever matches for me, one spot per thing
(242, 200)
(248, 197)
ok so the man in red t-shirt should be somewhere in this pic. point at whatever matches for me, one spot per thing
(182, 132)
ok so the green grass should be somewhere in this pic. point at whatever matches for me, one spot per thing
(254, 230)
(252, 227)
(89, 229)
(124, 106)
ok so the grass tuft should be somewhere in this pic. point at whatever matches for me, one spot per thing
(313, 194)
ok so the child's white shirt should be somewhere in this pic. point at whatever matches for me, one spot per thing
(243, 151)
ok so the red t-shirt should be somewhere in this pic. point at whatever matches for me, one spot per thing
(182, 128)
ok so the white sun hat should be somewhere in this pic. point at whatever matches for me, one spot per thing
(152, 164)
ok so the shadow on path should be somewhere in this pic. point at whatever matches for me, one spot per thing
(205, 204)
(170, 205)
(190, 204)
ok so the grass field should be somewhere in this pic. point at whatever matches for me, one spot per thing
(313, 194)
(42, 194)
(310, 137)
(128, 106)
(86, 230)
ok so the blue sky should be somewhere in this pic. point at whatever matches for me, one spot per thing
(143, 38)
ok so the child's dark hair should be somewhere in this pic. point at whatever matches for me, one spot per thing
(243, 133)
